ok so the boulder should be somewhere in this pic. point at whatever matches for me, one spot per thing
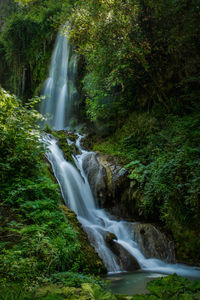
(110, 237)
(124, 259)
(153, 243)
(111, 187)
(97, 177)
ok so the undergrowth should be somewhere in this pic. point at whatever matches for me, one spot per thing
(162, 154)
(36, 238)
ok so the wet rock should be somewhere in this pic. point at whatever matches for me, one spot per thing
(124, 259)
(93, 261)
(91, 235)
(153, 243)
(97, 177)
(110, 237)
(120, 197)
(109, 185)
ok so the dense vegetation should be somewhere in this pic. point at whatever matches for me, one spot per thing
(171, 287)
(26, 41)
(38, 242)
(138, 53)
(161, 154)
(139, 79)
(142, 93)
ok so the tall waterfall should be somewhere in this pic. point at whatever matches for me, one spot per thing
(59, 89)
(74, 184)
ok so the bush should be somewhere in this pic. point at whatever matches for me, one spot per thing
(36, 239)
(161, 154)
(172, 287)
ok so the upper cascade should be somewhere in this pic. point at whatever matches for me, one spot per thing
(59, 89)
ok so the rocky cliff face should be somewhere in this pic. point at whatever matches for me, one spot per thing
(153, 243)
(97, 177)
(111, 186)
(112, 190)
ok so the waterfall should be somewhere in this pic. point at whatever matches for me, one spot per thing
(59, 89)
(73, 182)
(77, 195)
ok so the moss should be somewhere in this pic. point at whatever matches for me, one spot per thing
(47, 129)
(60, 292)
(62, 136)
(93, 263)
(91, 139)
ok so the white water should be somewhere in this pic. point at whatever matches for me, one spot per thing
(59, 89)
(78, 197)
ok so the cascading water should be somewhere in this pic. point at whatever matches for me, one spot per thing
(74, 184)
(78, 197)
(59, 89)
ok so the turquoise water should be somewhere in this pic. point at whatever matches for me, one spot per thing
(131, 283)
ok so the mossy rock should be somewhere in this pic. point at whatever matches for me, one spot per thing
(90, 140)
(67, 134)
(93, 262)
(62, 136)
(110, 237)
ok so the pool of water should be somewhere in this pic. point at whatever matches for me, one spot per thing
(131, 283)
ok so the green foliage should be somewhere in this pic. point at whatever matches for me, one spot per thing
(161, 154)
(137, 52)
(172, 287)
(24, 2)
(74, 279)
(96, 293)
(36, 239)
(67, 149)
(86, 291)
(103, 32)
(15, 292)
(27, 39)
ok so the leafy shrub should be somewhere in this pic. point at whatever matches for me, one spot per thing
(161, 154)
(74, 279)
(36, 239)
(27, 39)
(172, 287)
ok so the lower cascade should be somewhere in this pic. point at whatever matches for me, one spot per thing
(114, 241)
